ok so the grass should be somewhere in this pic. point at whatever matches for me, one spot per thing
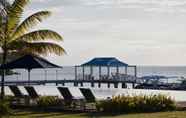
(29, 114)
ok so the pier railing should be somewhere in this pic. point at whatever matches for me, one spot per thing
(67, 75)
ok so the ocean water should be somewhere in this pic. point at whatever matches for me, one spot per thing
(69, 72)
(103, 92)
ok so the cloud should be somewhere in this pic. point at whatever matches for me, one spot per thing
(134, 29)
(113, 2)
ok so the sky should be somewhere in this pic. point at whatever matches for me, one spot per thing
(141, 32)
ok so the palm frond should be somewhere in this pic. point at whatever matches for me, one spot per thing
(15, 12)
(16, 45)
(11, 56)
(38, 48)
(4, 5)
(40, 35)
(1, 23)
(44, 48)
(1, 30)
(29, 22)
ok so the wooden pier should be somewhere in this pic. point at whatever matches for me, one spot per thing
(111, 71)
(75, 83)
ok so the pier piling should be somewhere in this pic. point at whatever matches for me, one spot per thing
(92, 84)
(133, 85)
(99, 85)
(108, 85)
(75, 84)
(81, 84)
(115, 85)
(123, 85)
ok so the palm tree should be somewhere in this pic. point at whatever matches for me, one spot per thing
(16, 36)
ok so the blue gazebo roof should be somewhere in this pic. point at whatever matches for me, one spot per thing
(105, 61)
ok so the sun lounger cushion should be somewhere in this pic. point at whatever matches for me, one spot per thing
(87, 93)
(31, 91)
(16, 91)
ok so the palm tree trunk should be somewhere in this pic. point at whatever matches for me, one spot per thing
(4, 3)
(3, 76)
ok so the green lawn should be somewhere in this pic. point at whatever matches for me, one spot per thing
(18, 114)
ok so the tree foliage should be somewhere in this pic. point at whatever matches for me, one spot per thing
(17, 37)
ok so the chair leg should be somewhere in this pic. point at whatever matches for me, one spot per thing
(85, 107)
(73, 105)
(27, 101)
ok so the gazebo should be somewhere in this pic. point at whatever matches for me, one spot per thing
(29, 62)
(100, 62)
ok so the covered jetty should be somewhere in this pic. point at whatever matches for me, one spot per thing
(29, 62)
(105, 69)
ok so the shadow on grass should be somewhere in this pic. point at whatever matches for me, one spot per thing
(50, 113)
(43, 113)
(104, 115)
(100, 114)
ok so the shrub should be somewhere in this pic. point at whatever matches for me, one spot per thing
(47, 101)
(141, 103)
(4, 108)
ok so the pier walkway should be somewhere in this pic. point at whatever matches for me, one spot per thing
(74, 82)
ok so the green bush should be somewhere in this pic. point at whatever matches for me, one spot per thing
(47, 101)
(141, 103)
(4, 108)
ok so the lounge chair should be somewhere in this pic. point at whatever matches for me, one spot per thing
(69, 100)
(20, 98)
(33, 95)
(90, 99)
(16, 91)
(87, 93)
(31, 92)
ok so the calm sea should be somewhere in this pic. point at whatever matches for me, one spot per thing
(103, 92)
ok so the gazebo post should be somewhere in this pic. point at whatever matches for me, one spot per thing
(76, 83)
(117, 72)
(83, 72)
(117, 69)
(91, 71)
(99, 72)
(135, 75)
(126, 70)
(56, 74)
(108, 71)
(45, 74)
(91, 76)
(135, 71)
(29, 76)
(75, 72)
(56, 77)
